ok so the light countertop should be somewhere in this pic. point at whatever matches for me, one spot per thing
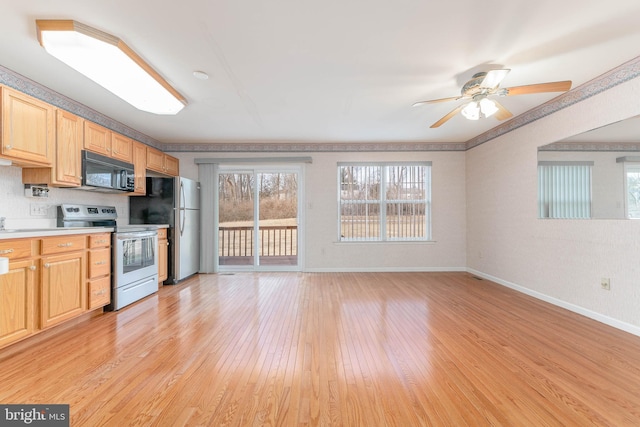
(49, 232)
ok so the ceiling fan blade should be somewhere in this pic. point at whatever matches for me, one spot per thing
(433, 101)
(447, 117)
(502, 112)
(562, 86)
(493, 78)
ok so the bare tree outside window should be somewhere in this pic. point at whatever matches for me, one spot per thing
(384, 202)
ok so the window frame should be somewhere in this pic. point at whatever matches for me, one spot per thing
(382, 202)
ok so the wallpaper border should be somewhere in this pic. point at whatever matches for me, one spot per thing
(618, 75)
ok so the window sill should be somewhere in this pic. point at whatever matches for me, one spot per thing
(385, 242)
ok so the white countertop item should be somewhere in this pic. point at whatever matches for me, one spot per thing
(4, 265)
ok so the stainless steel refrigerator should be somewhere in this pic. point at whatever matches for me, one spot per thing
(173, 201)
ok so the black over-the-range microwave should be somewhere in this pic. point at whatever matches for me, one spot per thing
(104, 174)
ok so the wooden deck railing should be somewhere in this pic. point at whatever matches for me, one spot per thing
(275, 240)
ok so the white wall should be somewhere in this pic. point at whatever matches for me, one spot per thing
(324, 253)
(558, 260)
(17, 208)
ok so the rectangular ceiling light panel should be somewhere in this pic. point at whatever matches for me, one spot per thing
(108, 61)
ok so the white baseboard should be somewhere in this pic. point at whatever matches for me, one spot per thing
(627, 327)
(384, 269)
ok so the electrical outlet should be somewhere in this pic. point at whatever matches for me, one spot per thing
(605, 283)
(38, 209)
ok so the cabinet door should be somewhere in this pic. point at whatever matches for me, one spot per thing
(140, 167)
(64, 291)
(171, 165)
(60, 244)
(69, 133)
(121, 147)
(155, 160)
(17, 302)
(163, 258)
(99, 262)
(102, 240)
(27, 129)
(99, 292)
(16, 249)
(97, 138)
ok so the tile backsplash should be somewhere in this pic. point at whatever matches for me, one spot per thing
(21, 211)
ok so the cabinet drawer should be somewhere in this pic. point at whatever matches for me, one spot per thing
(99, 262)
(99, 292)
(15, 249)
(162, 233)
(99, 240)
(60, 244)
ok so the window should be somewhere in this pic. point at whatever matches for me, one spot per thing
(564, 189)
(384, 202)
(632, 187)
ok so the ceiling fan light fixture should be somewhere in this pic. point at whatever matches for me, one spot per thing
(488, 107)
(112, 64)
(471, 111)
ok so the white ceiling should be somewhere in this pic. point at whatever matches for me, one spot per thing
(328, 71)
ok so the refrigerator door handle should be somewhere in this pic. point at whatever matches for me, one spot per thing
(182, 203)
(182, 207)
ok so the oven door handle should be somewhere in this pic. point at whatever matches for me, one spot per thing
(135, 235)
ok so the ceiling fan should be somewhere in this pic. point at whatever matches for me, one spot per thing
(484, 85)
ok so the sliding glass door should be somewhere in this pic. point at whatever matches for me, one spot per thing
(258, 219)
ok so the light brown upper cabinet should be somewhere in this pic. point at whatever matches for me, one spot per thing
(69, 135)
(97, 138)
(139, 168)
(66, 170)
(27, 129)
(121, 147)
(103, 141)
(161, 162)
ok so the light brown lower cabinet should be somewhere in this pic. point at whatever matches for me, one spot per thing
(17, 302)
(49, 282)
(163, 256)
(64, 289)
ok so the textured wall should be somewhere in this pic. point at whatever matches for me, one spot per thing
(323, 253)
(558, 260)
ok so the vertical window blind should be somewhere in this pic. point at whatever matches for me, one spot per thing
(564, 189)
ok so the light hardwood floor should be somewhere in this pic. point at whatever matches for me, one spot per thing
(352, 349)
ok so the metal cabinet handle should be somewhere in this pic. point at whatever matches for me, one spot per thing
(8, 147)
(100, 262)
(47, 265)
(101, 241)
(32, 267)
(6, 251)
(65, 245)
